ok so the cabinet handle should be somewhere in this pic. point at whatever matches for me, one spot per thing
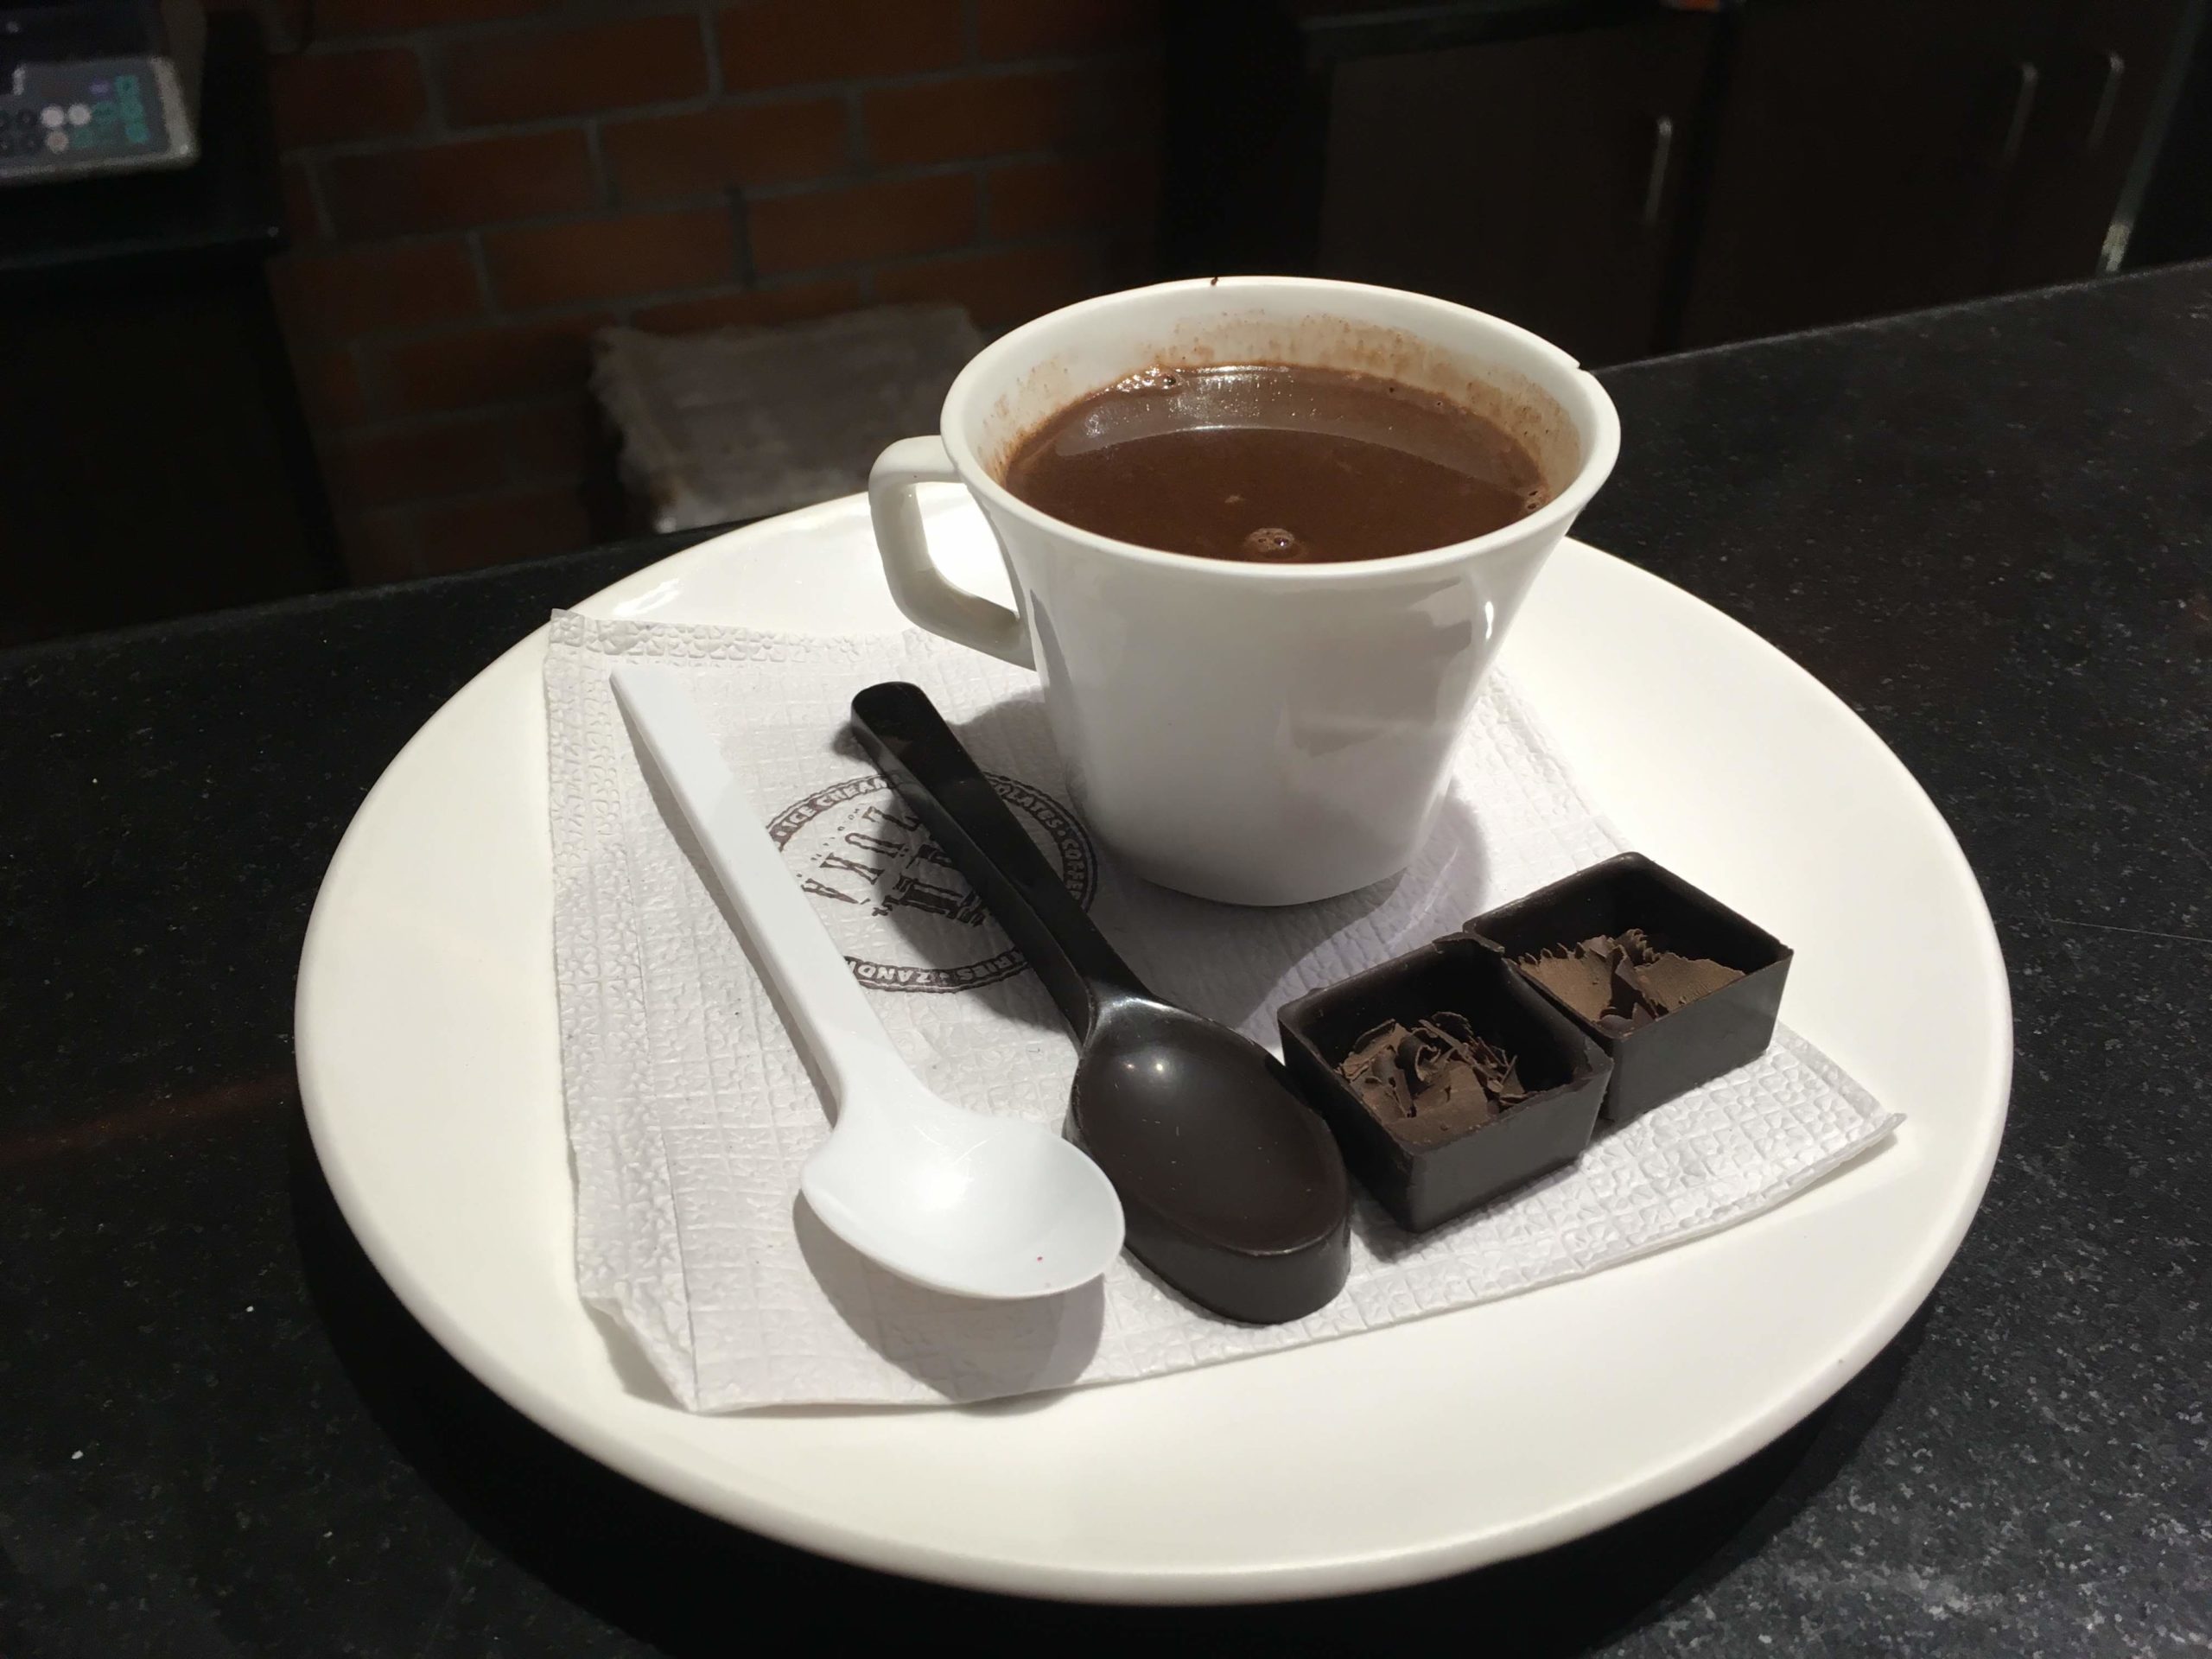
(1655, 186)
(2023, 100)
(2115, 67)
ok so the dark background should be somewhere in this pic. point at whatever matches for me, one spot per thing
(354, 343)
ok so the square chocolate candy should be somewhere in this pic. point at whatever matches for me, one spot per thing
(1509, 1086)
(1672, 984)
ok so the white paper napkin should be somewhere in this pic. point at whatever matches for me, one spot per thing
(690, 1113)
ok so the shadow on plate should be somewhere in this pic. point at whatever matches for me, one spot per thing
(688, 1585)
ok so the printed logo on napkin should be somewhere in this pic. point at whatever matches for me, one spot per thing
(856, 846)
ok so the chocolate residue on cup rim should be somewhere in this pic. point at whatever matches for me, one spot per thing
(1524, 409)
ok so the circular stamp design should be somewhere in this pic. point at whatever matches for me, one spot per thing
(905, 917)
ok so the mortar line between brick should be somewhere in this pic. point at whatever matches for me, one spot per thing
(371, 389)
(693, 103)
(710, 44)
(740, 232)
(473, 28)
(511, 486)
(325, 228)
(602, 178)
(856, 129)
(431, 66)
(1093, 238)
(782, 190)
(481, 267)
(432, 420)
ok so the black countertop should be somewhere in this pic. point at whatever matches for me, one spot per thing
(1990, 529)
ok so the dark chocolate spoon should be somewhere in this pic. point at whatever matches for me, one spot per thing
(1233, 1191)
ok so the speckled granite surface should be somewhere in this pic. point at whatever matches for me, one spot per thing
(1990, 529)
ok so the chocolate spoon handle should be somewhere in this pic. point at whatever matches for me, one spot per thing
(905, 736)
(1232, 1189)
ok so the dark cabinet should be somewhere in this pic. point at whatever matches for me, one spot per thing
(1626, 177)
(2102, 72)
(158, 463)
(1861, 159)
(1873, 155)
(1536, 179)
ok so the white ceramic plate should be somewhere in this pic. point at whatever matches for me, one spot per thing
(428, 1063)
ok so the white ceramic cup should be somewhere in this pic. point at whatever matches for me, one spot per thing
(1259, 734)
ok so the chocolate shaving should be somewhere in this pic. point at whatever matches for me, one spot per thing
(1373, 1073)
(1621, 984)
(1438, 1068)
(1584, 983)
(1671, 981)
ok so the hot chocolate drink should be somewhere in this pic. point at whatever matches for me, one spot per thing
(1274, 463)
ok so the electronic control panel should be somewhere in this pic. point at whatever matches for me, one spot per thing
(101, 89)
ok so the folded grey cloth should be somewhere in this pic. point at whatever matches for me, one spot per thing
(690, 1113)
(740, 423)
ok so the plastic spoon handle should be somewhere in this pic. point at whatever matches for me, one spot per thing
(827, 1008)
(908, 739)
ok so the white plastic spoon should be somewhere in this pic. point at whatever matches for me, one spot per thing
(973, 1205)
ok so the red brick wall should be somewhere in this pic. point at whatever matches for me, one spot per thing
(476, 185)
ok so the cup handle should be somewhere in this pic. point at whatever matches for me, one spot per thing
(917, 584)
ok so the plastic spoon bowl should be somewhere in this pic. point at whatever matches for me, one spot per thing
(972, 1205)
